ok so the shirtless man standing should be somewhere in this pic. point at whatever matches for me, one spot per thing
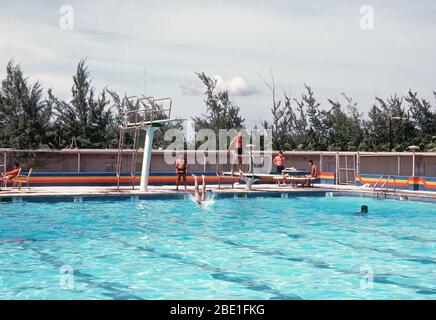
(181, 170)
(279, 161)
(237, 141)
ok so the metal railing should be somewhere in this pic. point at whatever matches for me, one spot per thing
(384, 188)
(139, 119)
(153, 110)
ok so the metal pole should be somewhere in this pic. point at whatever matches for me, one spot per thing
(390, 133)
(148, 147)
(337, 168)
(346, 168)
(5, 160)
(357, 169)
(413, 169)
(78, 161)
(145, 81)
(399, 165)
(320, 162)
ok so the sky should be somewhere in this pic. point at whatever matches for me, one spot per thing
(329, 44)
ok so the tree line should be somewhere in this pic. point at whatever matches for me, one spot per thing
(392, 124)
(31, 118)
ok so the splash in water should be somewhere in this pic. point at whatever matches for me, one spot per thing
(209, 202)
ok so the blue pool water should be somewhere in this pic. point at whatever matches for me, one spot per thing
(256, 248)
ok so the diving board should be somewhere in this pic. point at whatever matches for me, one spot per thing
(250, 178)
(153, 123)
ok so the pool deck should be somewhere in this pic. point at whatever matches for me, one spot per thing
(165, 190)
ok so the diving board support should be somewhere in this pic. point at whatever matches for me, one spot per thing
(151, 127)
(148, 148)
(249, 183)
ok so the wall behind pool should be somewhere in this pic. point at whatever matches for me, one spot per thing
(169, 178)
(401, 182)
(53, 179)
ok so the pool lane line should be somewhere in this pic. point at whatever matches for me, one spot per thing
(414, 258)
(322, 264)
(90, 280)
(382, 278)
(218, 273)
(379, 278)
(394, 253)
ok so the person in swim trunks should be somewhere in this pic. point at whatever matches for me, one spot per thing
(181, 171)
(279, 161)
(313, 174)
(199, 197)
(238, 142)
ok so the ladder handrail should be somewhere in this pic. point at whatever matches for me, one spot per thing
(134, 156)
(385, 184)
(375, 185)
(120, 157)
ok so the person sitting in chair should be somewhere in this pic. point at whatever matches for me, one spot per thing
(11, 175)
(313, 173)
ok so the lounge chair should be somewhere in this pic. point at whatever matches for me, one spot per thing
(19, 180)
(5, 181)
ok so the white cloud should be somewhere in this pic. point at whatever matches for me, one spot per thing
(192, 89)
(235, 86)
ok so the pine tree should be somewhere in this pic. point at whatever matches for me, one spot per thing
(221, 113)
(424, 119)
(86, 121)
(24, 114)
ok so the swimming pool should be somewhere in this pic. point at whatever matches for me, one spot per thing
(300, 247)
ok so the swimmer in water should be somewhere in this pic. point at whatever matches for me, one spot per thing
(363, 210)
(199, 197)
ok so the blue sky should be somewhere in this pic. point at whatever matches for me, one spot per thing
(317, 42)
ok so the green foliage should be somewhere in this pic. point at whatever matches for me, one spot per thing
(391, 125)
(344, 127)
(24, 115)
(221, 113)
(86, 121)
(31, 120)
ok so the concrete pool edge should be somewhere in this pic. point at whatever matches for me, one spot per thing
(69, 194)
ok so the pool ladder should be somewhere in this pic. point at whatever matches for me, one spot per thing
(384, 188)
